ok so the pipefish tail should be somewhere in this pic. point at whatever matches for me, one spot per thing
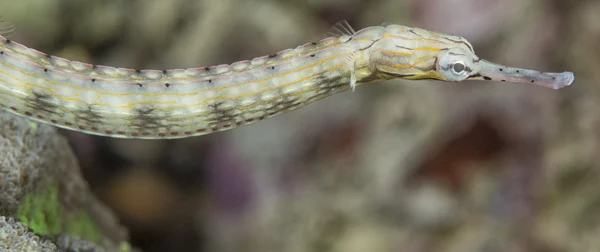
(177, 103)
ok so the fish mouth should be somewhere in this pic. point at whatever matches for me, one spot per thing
(489, 71)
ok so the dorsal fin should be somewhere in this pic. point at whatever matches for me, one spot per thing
(6, 28)
(341, 28)
(386, 24)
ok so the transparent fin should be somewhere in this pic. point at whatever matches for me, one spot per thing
(341, 28)
(353, 79)
(386, 24)
(350, 61)
(7, 29)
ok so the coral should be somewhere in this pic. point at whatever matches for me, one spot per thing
(42, 193)
(16, 236)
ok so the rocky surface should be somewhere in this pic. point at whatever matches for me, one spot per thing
(44, 197)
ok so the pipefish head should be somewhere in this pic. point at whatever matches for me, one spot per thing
(417, 54)
(455, 65)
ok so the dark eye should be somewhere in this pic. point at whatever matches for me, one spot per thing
(458, 67)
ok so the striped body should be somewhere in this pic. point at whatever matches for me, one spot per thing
(156, 104)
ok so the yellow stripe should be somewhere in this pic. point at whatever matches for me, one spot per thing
(426, 75)
(398, 53)
(406, 54)
(168, 93)
(129, 105)
(65, 98)
(414, 65)
(415, 39)
(255, 94)
(435, 49)
(425, 58)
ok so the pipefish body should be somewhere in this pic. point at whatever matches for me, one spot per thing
(178, 103)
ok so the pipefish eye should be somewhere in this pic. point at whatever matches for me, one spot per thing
(455, 65)
(459, 67)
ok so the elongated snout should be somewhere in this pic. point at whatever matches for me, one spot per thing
(485, 70)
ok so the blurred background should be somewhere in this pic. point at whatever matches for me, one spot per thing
(397, 166)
